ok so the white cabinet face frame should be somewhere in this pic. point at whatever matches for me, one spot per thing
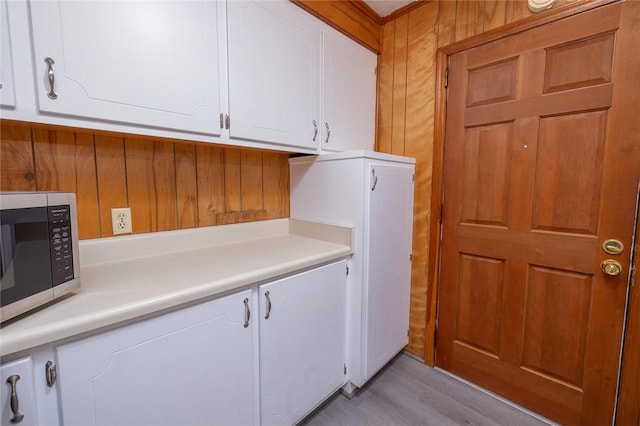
(302, 342)
(151, 63)
(192, 366)
(274, 73)
(7, 91)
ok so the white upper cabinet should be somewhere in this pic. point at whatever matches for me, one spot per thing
(7, 89)
(349, 94)
(274, 73)
(151, 63)
(252, 73)
(295, 81)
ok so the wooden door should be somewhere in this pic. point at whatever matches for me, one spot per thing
(542, 161)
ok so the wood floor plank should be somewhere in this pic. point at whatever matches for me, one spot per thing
(407, 392)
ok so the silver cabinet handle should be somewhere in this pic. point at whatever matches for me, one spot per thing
(15, 404)
(50, 373)
(326, 125)
(247, 312)
(266, 294)
(315, 130)
(50, 62)
(374, 178)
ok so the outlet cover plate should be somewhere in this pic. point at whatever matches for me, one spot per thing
(121, 221)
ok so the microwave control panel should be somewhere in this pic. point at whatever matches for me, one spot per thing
(61, 246)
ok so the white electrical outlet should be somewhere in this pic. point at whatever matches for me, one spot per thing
(121, 221)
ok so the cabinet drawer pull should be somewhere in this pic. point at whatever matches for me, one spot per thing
(51, 77)
(266, 294)
(315, 130)
(15, 404)
(247, 312)
(374, 178)
(326, 125)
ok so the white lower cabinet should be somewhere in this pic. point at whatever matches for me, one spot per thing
(194, 366)
(28, 393)
(302, 342)
(266, 355)
(18, 393)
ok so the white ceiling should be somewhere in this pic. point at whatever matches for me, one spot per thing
(386, 7)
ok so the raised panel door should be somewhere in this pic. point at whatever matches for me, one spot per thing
(152, 63)
(388, 271)
(302, 342)
(541, 167)
(7, 89)
(274, 73)
(349, 94)
(192, 366)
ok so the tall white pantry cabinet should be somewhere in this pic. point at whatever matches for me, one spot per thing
(372, 192)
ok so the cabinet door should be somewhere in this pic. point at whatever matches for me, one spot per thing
(274, 66)
(388, 273)
(152, 63)
(7, 92)
(302, 341)
(349, 94)
(189, 367)
(22, 372)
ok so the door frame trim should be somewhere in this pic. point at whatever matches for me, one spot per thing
(628, 400)
(625, 405)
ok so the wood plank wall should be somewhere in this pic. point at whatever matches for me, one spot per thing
(168, 184)
(406, 104)
(353, 18)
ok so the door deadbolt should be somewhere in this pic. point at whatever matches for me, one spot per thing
(611, 267)
(613, 246)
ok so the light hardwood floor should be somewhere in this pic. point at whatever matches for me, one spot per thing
(407, 392)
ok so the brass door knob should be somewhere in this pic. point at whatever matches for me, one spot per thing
(611, 267)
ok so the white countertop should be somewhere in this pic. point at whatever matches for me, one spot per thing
(124, 278)
(347, 155)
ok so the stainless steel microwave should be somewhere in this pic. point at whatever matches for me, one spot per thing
(38, 249)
